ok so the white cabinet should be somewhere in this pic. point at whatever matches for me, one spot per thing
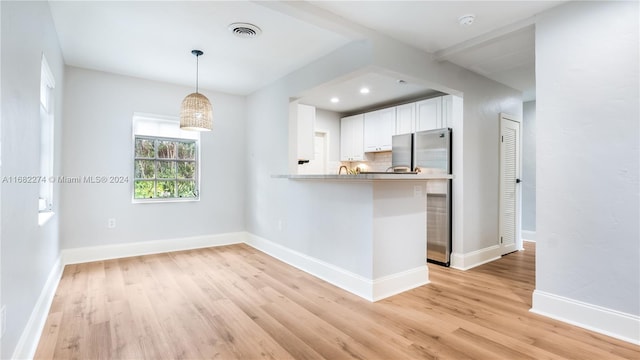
(351, 138)
(372, 131)
(429, 114)
(447, 111)
(305, 122)
(405, 119)
(379, 127)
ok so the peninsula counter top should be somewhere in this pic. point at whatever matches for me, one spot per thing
(366, 177)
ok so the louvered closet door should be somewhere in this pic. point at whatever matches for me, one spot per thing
(509, 183)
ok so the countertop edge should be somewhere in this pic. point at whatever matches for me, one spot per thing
(365, 177)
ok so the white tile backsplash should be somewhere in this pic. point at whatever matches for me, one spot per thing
(379, 161)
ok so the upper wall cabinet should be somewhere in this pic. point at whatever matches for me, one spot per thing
(429, 114)
(406, 119)
(379, 127)
(372, 132)
(305, 122)
(448, 110)
(351, 138)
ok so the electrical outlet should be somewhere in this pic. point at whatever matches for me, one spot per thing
(111, 223)
(280, 225)
(3, 320)
(417, 191)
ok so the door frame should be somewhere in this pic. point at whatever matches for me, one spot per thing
(505, 249)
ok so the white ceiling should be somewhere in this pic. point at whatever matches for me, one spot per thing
(383, 89)
(153, 39)
(492, 46)
(433, 25)
(509, 59)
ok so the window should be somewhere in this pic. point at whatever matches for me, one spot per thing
(165, 160)
(47, 85)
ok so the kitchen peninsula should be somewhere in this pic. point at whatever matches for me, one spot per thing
(373, 241)
(367, 232)
(366, 176)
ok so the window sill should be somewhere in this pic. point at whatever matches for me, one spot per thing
(44, 217)
(164, 201)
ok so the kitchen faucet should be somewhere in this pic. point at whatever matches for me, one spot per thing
(348, 171)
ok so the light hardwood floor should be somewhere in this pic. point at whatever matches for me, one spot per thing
(234, 302)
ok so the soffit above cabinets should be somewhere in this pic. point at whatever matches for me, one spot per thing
(384, 89)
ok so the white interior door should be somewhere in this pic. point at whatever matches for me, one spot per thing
(509, 184)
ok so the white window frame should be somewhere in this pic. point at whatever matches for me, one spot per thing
(47, 122)
(163, 128)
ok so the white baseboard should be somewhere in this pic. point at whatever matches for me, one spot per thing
(606, 321)
(116, 251)
(390, 285)
(28, 342)
(528, 235)
(353, 283)
(475, 258)
(372, 290)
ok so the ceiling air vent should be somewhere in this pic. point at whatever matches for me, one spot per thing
(244, 30)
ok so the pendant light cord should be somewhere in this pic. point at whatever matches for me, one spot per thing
(197, 75)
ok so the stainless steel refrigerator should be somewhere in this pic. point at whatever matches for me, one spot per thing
(432, 155)
(402, 152)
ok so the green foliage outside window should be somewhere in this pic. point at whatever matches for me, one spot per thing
(165, 168)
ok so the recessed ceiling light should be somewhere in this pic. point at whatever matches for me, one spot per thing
(335, 100)
(364, 90)
(466, 20)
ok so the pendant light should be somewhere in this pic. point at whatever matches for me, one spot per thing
(196, 110)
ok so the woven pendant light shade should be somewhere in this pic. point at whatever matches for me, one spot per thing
(196, 110)
(196, 113)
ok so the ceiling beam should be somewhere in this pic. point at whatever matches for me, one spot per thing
(322, 18)
(484, 39)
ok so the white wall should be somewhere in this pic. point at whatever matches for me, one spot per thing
(267, 141)
(98, 141)
(484, 100)
(399, 227)
(529, 170)
(1, 121)
(588, 156)
(273, 201)
(325, 235)
(28, 251)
